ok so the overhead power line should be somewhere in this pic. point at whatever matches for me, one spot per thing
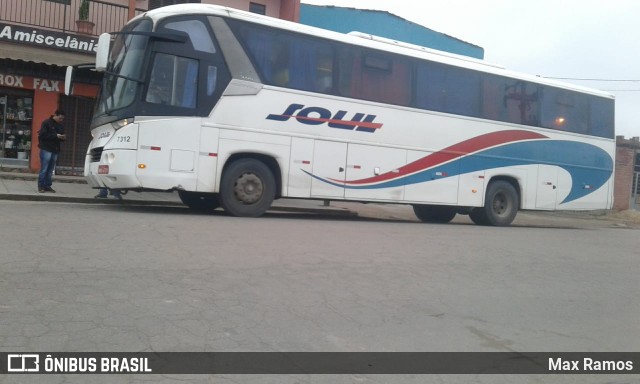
(586, 79)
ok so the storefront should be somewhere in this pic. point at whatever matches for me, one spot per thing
(32, 88)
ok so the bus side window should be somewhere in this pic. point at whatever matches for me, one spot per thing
(565, 110)
(374, 76)
(324, 73)
(511, 100)
(310, 65)
(450, 90)
(602, 112)
(279, 60)
(287, 59)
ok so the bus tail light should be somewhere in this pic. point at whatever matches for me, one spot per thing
(103, 169)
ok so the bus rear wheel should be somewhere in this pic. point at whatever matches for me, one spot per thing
(434, 213)
(500, 207)
(198, 201)
(247, 188)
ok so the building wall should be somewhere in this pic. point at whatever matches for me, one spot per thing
(272, 6)
(384, 24)
(283, 9)
(626, 151)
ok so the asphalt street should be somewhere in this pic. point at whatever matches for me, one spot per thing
(94, 277)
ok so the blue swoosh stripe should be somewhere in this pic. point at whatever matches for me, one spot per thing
(587, 164)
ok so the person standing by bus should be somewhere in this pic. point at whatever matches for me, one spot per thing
(103, 193)
(50, 136)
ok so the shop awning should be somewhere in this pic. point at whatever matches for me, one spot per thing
(40, 55)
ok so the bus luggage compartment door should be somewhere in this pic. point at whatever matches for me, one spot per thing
(375, 167)
(547, 187)
(329, 169)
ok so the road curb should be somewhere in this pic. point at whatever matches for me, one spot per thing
(48, 197)
(34, 177)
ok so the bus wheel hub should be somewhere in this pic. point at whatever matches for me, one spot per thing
(248, 188)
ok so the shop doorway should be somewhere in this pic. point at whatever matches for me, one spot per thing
(77, 121)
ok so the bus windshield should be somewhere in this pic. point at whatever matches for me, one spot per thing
(122, 79)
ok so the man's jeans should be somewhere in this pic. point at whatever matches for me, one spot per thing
(47, 166)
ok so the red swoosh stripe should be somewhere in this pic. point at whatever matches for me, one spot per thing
(451, 153)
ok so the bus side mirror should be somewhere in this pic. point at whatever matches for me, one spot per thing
(68, 81)
(102, 54)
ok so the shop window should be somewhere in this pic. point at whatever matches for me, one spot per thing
(16, 122)
(260, 9)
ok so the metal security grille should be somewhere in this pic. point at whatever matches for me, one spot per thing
(635, 191)
(635, 186)
(76, 125)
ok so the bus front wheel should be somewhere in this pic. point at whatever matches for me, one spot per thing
(199, 201)
(247, 188)
(434, 213)
(500, 207)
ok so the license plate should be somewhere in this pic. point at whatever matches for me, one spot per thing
(103, 169)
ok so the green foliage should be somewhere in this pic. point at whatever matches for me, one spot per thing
(83, 11)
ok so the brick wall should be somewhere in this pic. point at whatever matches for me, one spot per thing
(625, 161)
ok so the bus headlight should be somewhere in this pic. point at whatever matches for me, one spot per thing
(121, 123)
(111, 158)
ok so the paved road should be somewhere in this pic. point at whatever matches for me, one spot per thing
(78, 277)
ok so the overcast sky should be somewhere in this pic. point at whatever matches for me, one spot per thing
(593, 39)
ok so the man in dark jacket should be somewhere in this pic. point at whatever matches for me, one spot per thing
(50, 136)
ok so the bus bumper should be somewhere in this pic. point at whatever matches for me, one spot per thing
(115, 170)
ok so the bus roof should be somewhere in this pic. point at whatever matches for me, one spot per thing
(364, 40)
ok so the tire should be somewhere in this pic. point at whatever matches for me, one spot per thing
(477, 216)
(434, 213)
(247, 188)
(500, 206)
(204, 202)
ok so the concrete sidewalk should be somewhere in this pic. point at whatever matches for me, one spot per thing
(74, 189)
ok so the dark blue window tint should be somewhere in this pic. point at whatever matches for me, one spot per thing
(602, 117)
(510, 100)
(565, 110)
(297, 61)
(287, 60)
(448, 89)
(375, 76)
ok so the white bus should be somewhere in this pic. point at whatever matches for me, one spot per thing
(235, 109)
